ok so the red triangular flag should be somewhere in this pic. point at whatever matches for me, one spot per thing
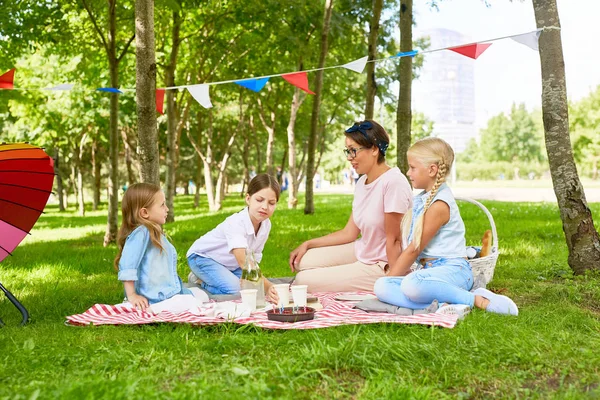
(160, 100)
(298, 79)
(6, 79)
(471, 50)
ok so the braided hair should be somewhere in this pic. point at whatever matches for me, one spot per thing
(428, 151)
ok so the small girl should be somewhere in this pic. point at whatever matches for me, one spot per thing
(146, 261)
(435, 234)
(217, 258)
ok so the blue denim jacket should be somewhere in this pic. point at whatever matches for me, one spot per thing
(154, 272)
(449, 241)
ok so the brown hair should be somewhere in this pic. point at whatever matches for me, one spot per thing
(374, 135)
(137, 196)
(263, 181)
(431, 150)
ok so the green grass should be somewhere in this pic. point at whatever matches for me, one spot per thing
(549, 351)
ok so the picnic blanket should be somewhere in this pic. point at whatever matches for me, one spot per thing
(334, 313)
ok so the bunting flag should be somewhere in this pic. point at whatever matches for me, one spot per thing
(7, 79)
(255, 85)
(411, 53)
(357, 65)
(109, 90)
(160, 100)
(528, 39)
(200, 94)
(298, 79)
(64, 86)
(471, 50)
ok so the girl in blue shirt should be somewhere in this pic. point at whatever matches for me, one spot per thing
(146, 261)
(435, 234)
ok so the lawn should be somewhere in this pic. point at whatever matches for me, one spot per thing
(549, 351)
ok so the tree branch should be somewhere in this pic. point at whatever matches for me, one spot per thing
(125, 48)
(89, 11)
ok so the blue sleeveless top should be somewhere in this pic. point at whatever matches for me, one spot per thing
(449, 241)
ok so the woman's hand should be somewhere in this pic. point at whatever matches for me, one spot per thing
(296, 255)
(271, 295)
(139, 302)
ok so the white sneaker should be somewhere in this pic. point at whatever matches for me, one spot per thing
(454, 309)
(498, 303)
(193, 279)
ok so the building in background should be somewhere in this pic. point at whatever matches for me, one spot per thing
(445, 90)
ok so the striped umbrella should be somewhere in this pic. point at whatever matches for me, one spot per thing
(26, 177)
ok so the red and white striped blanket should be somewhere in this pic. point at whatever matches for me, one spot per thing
(334, 313)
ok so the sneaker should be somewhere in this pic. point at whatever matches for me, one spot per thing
(454, 309)
(193, 279)
(498, 303)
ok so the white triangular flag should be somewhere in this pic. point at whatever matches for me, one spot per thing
(528, 39)
(200, 93)
(357, 65)
(64, 86)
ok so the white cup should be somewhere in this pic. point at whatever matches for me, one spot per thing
(299, 295)
(283, 291)
(249, 298)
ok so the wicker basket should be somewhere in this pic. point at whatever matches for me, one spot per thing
(483, 268)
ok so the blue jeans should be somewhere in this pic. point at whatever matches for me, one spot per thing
(216, 278)
(447, 280)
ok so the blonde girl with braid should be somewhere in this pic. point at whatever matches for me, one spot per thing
(434, 234)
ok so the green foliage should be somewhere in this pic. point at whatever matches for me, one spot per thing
(548, 351)
(584, 124)
(512, 138)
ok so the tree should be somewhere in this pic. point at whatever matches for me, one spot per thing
(582, 238)
(372, 52)
(405, 77)
(309, 206)
(145, 91)
(512, 138)
(109, 42)
(584, 117)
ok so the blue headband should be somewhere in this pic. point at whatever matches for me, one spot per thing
(362, 128)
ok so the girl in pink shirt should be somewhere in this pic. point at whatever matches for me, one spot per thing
(354, 257)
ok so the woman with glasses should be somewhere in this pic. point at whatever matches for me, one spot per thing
(353, 258)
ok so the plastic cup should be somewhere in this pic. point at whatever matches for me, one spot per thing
(283, 291)
(299, 295)
(249, 298)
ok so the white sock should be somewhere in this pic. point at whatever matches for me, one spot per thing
(498, 303)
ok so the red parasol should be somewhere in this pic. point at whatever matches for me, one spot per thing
(26, 177)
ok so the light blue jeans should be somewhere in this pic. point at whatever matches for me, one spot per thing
(447, 280)
(216, 278)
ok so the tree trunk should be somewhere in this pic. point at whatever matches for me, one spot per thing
(372, 53)
(128, 162)
(291, 133)
(113, 172)
(270, 128)
(59, 181)
(582, 239)
(245, 156)
(405, 75)
(309, 206)
(80, 197)
(172, 118)
(145, 91)
(199, 163)
(97, 171)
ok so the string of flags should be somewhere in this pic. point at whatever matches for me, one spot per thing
(200, 92)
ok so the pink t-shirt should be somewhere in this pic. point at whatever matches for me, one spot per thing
(390, 193)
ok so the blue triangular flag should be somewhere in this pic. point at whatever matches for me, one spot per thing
(411, 53)
(109, 89)
(253, 84)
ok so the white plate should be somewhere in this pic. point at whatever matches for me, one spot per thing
(355, 297)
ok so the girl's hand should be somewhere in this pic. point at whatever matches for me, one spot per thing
(296, 255)
(271, 295)
(139, 302)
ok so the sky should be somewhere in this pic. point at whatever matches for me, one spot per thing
(509, 72)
